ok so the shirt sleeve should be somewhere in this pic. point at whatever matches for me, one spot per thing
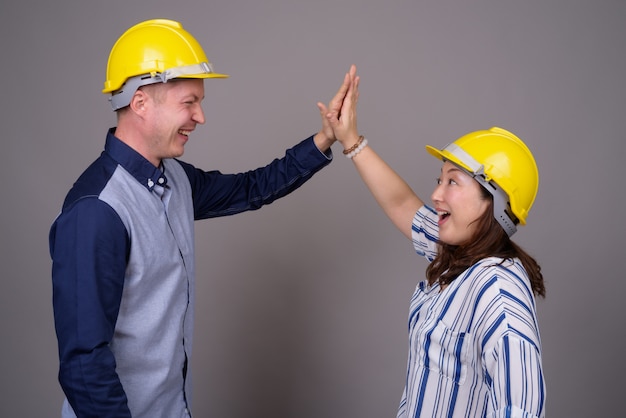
(425, 232)
(514, 367)
(511, 344)
(216, 194)
(89, 248)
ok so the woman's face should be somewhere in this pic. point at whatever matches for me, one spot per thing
(459, 202)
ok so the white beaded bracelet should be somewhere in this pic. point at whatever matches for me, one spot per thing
(358, 149)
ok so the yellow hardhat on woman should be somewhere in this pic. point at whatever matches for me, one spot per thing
(153, 51)
(504, 165)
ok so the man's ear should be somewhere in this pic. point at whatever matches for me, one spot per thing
(139, 101)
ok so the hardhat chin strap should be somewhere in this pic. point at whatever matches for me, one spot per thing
(501, 210)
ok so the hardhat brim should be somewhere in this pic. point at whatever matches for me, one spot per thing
(444, 155)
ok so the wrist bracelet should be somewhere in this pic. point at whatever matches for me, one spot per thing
(355, 146)
(359, 147)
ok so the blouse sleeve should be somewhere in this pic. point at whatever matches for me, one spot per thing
(425, 232)
(514, 370)
(511, 345)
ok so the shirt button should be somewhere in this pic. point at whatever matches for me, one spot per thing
(161, 180)
(150, 183)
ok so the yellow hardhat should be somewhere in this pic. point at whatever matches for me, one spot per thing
(153, 51)
(501, 162)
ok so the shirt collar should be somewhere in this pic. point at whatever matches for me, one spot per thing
(133, 162)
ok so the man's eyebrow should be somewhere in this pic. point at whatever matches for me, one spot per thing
(193, 96)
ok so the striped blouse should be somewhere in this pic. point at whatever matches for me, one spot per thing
(474, 348)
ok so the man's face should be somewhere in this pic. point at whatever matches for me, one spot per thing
(175, 110)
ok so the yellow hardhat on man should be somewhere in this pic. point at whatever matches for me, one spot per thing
(501, 163)
(153, 51)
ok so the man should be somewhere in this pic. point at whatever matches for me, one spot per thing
(123, 245)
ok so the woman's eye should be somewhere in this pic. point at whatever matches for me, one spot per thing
(450, 181)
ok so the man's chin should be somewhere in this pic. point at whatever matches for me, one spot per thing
(177, 153)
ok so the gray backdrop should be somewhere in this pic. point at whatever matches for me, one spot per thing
(302, 305)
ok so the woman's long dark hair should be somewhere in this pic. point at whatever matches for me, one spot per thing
(490, 240)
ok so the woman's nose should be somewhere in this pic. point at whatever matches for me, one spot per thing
(436, 195)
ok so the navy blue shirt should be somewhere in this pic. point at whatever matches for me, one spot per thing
(123, 272)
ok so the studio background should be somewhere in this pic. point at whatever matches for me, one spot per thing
(302, 306)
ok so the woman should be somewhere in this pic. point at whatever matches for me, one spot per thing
(474, 345)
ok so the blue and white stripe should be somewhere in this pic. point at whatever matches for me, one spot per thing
(474, 349)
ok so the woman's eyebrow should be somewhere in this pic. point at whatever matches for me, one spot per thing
(453, 169)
